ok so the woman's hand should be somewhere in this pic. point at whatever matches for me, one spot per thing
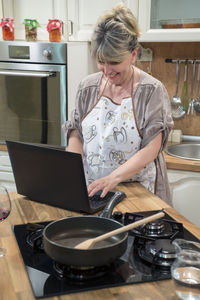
(105, 184)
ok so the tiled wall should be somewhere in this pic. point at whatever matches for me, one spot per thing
(166, 72)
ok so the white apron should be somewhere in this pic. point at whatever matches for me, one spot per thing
(110, 138)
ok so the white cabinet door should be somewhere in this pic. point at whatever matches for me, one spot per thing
(6, 174)
(185, 188)
(1, 9)
(1, 16)
(171, 11)
(75, 73)
(83, 15)
(42, 11)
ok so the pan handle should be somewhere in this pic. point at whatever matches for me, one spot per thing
(116, 198)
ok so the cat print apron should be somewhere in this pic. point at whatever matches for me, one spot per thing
(110, 138)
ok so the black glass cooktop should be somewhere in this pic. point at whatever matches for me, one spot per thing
(128, 269)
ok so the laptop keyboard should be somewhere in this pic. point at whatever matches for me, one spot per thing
(97, 201)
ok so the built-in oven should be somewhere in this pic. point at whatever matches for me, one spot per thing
(33, 93)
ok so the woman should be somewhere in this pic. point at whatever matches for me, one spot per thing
(122, 117)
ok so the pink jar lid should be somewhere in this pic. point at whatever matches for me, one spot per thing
(54, 24)
(9, 22)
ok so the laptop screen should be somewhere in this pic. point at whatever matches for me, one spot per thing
(48, 175)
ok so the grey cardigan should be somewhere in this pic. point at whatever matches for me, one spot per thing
(152, 112)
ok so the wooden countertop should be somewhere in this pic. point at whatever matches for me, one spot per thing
(176, 163)
(14, 283)
(3, 147)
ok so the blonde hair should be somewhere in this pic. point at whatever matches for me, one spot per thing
(115, 35)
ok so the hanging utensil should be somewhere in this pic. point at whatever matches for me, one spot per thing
(184, 93)
(197, 101)
(178, 110)
(176, 99)
(192, 100)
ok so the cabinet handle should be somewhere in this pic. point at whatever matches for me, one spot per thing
(71, 28)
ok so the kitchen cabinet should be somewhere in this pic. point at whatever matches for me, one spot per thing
(151, 15)
(83, 15)
(184, 179)
(1, 16)
(185, 188)
(75, 72)
(1, 9)
(154, 14)
(80, 16)
(6, 174)
(40, 10)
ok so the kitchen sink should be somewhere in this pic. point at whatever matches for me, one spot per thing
(186, 151)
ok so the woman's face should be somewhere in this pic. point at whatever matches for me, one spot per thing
(117, 73)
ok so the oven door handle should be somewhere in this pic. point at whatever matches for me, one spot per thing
(28, 73)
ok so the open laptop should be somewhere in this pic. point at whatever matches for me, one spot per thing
(52, 176)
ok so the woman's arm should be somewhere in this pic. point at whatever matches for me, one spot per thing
(132, 166)
(75, 143)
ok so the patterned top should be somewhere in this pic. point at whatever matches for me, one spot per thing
(152, 111)
(110, 138)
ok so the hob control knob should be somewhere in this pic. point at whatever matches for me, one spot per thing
(118, 216)
(47, 53)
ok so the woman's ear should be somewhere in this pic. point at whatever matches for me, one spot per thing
(134, 56)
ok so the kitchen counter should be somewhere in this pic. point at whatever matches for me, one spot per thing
(3, 147)
(14, 283)
(176, 163)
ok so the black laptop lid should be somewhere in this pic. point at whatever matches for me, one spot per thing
(48, 175)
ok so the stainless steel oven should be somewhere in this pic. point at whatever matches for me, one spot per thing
(33, 93)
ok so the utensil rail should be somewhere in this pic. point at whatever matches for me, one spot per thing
(170, 60)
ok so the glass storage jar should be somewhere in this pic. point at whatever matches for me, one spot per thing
(185, 270)
(31, 29)
(54, 28)
(8, 29)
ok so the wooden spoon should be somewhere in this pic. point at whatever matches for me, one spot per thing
(90, 242)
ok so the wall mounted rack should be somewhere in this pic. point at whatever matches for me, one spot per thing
(170, 60)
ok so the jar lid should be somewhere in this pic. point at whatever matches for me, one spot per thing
(9, 22)
(31, 23)
(54, 24)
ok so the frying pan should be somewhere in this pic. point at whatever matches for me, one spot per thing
(61, 236)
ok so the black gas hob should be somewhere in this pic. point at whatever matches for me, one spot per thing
(148, 257)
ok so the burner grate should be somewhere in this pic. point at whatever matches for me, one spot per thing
(163, 228)
(34, 236)
(159, 252)
(79, 274)
(153, 241)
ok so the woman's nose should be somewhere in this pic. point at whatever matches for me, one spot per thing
(107, 68)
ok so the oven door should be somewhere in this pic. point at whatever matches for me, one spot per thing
(33, 102)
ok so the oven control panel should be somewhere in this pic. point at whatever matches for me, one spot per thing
(38, 52)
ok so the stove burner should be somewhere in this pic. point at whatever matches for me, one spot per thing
(79, 273)
(163, 228)
(163, 249)
(156, 227)
(160, 252)
(34, 236)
